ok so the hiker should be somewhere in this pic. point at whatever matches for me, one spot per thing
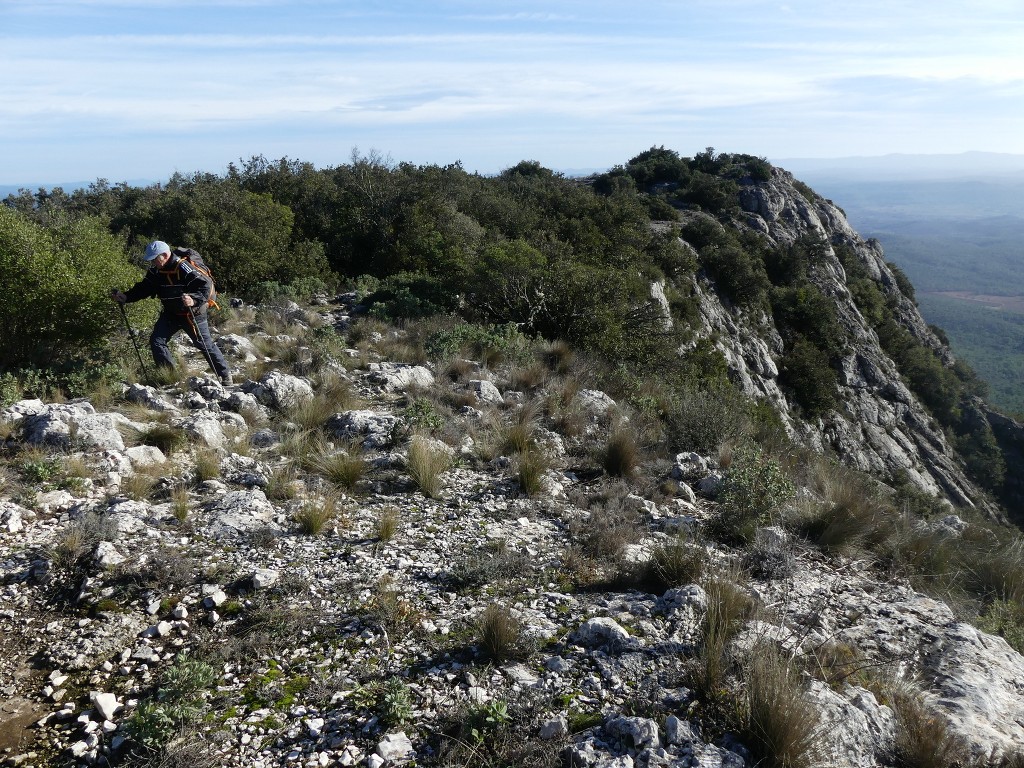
(184, 292)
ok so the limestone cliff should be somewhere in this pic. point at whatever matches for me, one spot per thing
(880, 426)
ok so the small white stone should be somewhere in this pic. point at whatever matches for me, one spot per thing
(105, 703)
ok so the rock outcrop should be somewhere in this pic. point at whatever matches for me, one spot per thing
(880, 426)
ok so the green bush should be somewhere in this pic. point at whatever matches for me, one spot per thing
(480, 341)
(806, 371)
(739, 273)
(57, 307)
(754, 489)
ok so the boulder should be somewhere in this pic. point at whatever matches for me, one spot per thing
(281, 390)
(240, 512)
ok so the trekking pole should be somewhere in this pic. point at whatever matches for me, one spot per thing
(135, 342)
(202, 341)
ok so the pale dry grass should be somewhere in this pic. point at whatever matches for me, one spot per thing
(425, 463)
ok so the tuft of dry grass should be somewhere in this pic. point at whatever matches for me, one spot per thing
(425, 462)
(530, 378)
(780, 722)
(141, 484)
(923, 738)
(314, 515)
(558, 357)
(282, 483)
(499, 632)
(207, 464)
(610, 528)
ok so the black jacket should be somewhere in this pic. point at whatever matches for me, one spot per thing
(169, 284)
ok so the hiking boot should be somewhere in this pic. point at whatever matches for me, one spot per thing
(226, 380)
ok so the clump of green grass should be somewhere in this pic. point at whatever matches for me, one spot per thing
(343, 468)
(165, 437)
(311, 413)
(1006, 619)
(678, 562)
(387, 524)
(180, 503)
(165, 375)
(531, 466)
(425, 462)
(728, 608)
(37, 466)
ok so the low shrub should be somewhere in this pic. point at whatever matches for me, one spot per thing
(754, 489)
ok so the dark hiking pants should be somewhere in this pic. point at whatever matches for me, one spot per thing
(167, 325)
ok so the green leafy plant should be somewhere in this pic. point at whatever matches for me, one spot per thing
(395, 703)
(754, 489)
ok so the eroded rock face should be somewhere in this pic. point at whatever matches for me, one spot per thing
(880, 427)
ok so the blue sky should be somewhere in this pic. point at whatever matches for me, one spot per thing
(139, 89)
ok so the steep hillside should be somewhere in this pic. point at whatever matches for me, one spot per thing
(877, 424)
(658, 468)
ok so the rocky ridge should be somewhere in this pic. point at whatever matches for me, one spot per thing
(880, 427)
(355, 648)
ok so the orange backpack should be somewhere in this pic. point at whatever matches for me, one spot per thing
(186, 260)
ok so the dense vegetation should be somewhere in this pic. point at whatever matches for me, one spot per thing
(560, 258)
